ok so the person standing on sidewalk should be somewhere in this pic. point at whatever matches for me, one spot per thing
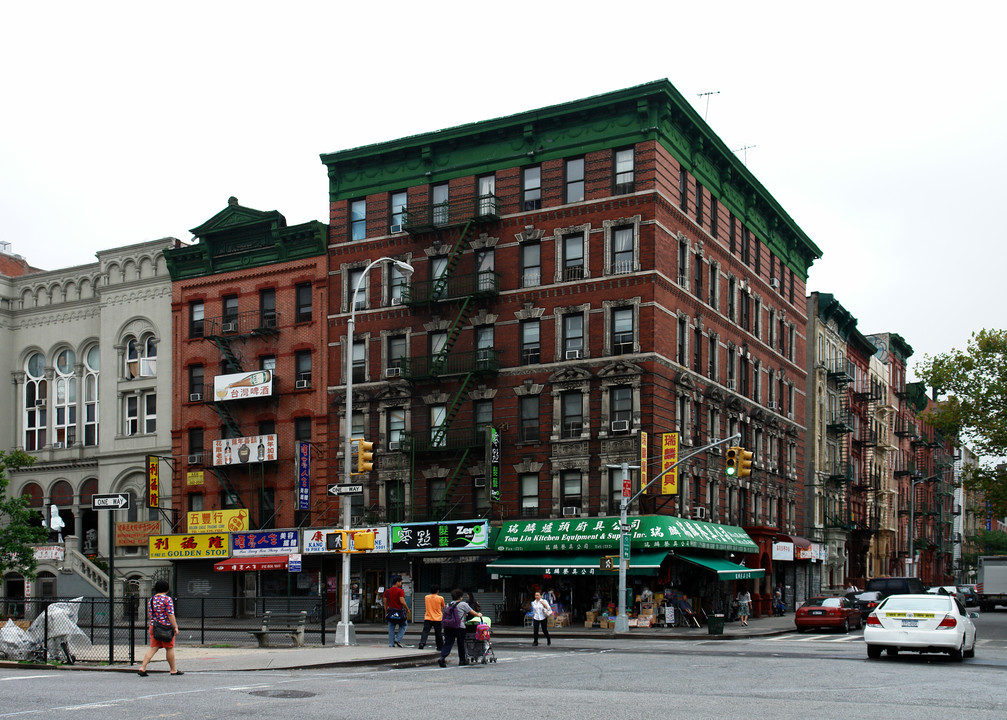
(432, 616)
(541, 611)
(161, 609)
(454, 617)
(396, 612)
(744, 606)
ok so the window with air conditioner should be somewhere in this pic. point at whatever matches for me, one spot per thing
(570, 511)
(572, 410)
(196, 459)
(392, 372)
(479, 482)
(573, 335)
(699, 513)
(619, 426)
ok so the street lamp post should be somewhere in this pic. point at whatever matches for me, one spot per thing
(345, 633)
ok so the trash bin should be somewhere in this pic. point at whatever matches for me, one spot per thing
(716, 624)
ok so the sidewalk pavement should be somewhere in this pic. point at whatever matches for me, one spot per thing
(372, 640)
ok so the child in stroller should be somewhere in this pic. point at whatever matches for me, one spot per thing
(478, 641)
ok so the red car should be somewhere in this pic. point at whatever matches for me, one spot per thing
(828, 612)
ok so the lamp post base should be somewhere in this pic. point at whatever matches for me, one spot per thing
(621, 623)
(346, 634)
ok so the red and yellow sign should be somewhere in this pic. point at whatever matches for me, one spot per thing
(643, 459)
(217, 521)
(188, 547)
(130, 534)
(669, 456)
(194, 477)
(153, 488)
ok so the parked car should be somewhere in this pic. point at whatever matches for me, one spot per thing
(951, 590)
(866, 601)
(923, 623)
(895, 586)
(827, 612)
(968, 595)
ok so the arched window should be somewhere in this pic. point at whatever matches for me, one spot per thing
(88, 488)
(141, 356)
(35, 396)
(65, 406)
(36, 501)
(62, 494)
(91, 366)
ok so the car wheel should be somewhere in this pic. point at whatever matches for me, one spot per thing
(801, 629)
(892, 651)
(846, 626)
(874, 651)
(860, 623)
(971, 652)
(958, 654)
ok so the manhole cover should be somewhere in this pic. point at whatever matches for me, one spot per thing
(283, 693)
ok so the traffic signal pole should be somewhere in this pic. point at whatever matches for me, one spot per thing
(622, 620)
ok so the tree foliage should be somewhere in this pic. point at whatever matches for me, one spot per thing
(19, 525)
(973, 386)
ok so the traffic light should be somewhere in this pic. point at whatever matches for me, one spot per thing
(731, 463)
(365, 456)
(363, 540)
(744, 462)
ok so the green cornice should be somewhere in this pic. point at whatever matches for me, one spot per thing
(859, 341)
(239, 238)
(916, 393)
(899, 346)
(830, 309)
(654, 111)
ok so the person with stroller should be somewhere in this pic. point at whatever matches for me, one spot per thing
(453, 622)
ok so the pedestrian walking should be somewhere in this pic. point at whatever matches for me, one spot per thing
(396, 612)
(744, 606)
(433, 613)
(541, 611)
(453, 621)
(161, 611)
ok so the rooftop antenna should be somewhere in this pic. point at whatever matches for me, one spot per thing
(707, 95)
(745, 150)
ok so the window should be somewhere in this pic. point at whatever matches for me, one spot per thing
(683, 263)
(441, 209)
(713, 215)
(573, 257)
(353, 277)
(195, 502)
(439, 277)
(570, 488)
(624, 172)
(623, 251)
(730, 233)
(731, 353)
(574, 181)
(398, 207)
(141, 357)
(697, 350)
(530, 342)
(302, 429)
(745, 303)
(699, 203)
(358, 219)
(230, 315)
(746, 246)
(573, 336)
(529, 494)
(482, 415)
(396, 351)
(528, 408)
(485, 356)
(714, 277)
(683, 328)
(615, 487)
(438, 426)
(65, 402)
(487, 195)
(267, 362)
(132, 415)
(622, 331)
(571, 414)
(531, 188)
(743, 375)
(396, 419)
(150, 412)
(267, 308)
(790, 344)
(359, 362)
(683, 189)
(267, 427)
(697, 278)
(196, 319)
(731, 286)
(621, 400)
(711, 358)
(757, 318)
(302, 367)
(396, 282)
(485, 263)
(438, 341)
(758, 256)
(302, 294)
(531, 265)
(35, 396)
(91, 366)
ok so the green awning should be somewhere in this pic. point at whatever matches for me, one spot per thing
(575, 564)
(649, 532)
(725, 569)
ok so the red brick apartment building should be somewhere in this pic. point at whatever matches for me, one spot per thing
(249, 302)
(584, 273)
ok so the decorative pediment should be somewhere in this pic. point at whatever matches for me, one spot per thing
(483, 393)
(620, 368)
(685, 379)
(529, 234)
(529, 313)
(713, 393)
(393, 394)
(484, 318)
(570, 374)
(528, 388)
(483, 241)
(435, 398)
(235, 216)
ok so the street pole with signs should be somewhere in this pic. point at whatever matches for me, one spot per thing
(345, 633)
(622, 620)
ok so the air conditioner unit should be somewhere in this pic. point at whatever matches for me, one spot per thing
(229, 327)
(573, 354)
(479, 482)
(395, 229)
(196, 397)
(571, 511)
(196, 459)
(773, 405)
(774, 282)
(301, 384)
(393, 372)
(40, 403)
(393, 446)
(57, 446)
(699, 513)
(732, 384)
(396, 301)
(620, 426)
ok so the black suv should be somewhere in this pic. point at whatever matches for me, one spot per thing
(896, 586)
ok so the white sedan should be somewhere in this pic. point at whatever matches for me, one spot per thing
(921, 623)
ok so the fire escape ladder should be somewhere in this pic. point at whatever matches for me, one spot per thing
(228, 417)
(439, 361)
(225, 482)
(449, 487)
(439, 435)
(440, 287)
(224, 345)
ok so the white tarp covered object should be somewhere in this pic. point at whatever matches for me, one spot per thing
(60, 624)
(14, 642)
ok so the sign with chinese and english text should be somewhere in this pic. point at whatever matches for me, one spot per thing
(315, 542)
(264, 542)
(132, 534)
(303, 451)
(243, 450)
(153, 488)
(448, 535)
(187, 547)
(217, 520)
(669, 456)
(243, 385)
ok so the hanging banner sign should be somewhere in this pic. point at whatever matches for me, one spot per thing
(217, 520)
(643, 459)
(153, 488)
(669, 456)
(303, 452)
(493, 462)
(243, 385)
(187, 547)
(449, 535)
(243, 450)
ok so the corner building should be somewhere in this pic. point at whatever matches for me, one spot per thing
(584, 273)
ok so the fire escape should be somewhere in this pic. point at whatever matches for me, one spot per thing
(840, 425)
(225, 332)
(452, 293)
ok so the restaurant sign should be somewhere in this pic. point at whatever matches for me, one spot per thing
(448, 535)
(187, 547)
(647, 531)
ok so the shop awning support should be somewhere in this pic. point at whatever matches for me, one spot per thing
(622, 620)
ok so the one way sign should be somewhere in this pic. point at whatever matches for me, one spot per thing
(112, 501)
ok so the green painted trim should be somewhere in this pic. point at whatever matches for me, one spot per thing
(900, 347)
(654, 111)
(859, 341)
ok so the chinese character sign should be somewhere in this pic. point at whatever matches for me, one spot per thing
(242, 450)
(217, 520)
(153, 489)
(461, 535)
(187, 547)
(303, 475)
(643, 459)
(669, 456)
(493, 436)
(315, 540)
(264, 542)
(243, 385)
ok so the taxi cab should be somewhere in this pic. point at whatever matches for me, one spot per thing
(923, 624)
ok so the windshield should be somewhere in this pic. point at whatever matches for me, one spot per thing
(897, 603)
(824, 602)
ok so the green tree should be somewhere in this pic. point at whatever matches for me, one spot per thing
(19, 525)
(973, 386)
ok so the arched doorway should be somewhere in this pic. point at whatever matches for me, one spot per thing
(14, 588)
(62, 497)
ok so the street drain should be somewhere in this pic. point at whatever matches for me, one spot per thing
(283, 693)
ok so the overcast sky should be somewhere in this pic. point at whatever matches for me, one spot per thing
(881, 127)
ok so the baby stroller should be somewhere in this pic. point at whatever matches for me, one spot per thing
(479, 642)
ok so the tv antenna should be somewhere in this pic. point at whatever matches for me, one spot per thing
(745, 150)
(707, 96)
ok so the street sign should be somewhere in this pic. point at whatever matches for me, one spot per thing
(112, 501)
(332, 489)
(608, 563)
(345, 489)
